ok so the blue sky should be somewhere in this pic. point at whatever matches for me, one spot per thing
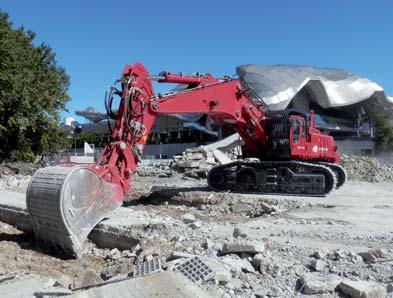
(93, 40)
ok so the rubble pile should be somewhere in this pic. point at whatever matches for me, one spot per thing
(195, 162)
(16, 176)
(366, 168)
(160, 169)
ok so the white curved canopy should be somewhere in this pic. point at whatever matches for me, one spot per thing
(275, 86)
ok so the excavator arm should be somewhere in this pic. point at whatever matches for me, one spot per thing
(222, 100)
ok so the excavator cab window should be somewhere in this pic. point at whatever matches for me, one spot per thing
(295, 130)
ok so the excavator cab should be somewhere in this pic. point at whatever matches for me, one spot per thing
(292, 136)
(287, 132)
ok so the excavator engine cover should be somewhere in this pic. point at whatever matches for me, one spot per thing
(66, 202)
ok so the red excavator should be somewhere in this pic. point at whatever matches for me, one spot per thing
(291, 156)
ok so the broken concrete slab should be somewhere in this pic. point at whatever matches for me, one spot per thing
(195, 156)
(316, 283)
(372, 255)
(238, 265)
(188, 218)
(91, 278)
(188, 164)
(123, 229)
(389, 288)
(237, 232)
(362, 289)
(13, 210)
(162, 284)
(251, 248)
(177, 255)
(317, 265)
(221, 158)
(241, 208)
(234, 284)
(195, 225)
(225, 144)
(30, 286)
(64, 281)
(222, 277)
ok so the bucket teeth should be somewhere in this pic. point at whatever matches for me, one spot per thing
(65, 203)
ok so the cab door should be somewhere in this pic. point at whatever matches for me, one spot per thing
(297, 136)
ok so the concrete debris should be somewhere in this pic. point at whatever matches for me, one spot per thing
(362, 289)
(188, 218)
(372, 255)
(237, 265)
(365, 168)
(221, 158)
(257, 260)
(237, 233)
(207, 244)
(16, 182)
(315, 283)
(317, 265)
(114, 254)
(128, 254)
(91, 278)
(222, 277)
(251, 248)
(177, 255)
(31, 286)
(64, 281)
(195, 225)
(321, 254)
(241, 208)
(162, 284)
(389, 288)
(231, 143)
(234, 284)
(196, 162)
(188, 163)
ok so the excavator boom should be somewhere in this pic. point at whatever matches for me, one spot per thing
(66, 202)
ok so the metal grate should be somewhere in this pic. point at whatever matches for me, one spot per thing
(196, 270)
(147, 267)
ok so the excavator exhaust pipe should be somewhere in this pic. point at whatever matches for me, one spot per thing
(66, 202)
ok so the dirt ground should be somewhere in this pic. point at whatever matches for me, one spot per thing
(294, 229)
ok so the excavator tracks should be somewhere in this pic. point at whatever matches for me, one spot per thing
(278, 177)
(339, 171)
(65, 203)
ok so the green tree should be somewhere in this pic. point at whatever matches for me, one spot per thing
(383, 134)
(33, 91)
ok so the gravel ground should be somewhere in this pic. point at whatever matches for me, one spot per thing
(286, 242)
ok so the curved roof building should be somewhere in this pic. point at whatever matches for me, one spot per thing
(278, 86)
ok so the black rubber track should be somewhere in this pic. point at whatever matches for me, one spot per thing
(225, 178)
